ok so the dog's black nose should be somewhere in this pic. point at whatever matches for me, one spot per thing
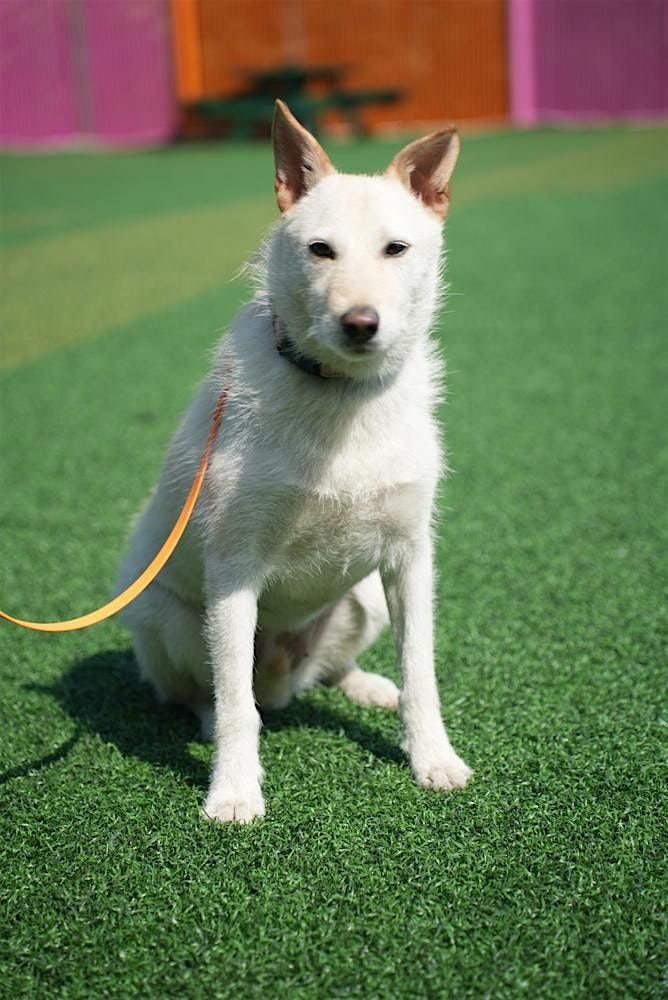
(360, 324)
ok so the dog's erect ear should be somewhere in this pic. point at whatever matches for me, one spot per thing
(300, 160)
(425, 167)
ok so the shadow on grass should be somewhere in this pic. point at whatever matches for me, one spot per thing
(103, 695)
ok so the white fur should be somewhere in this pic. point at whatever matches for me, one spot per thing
(317, 490)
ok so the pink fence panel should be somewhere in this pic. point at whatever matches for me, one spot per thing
(92, 71)
(37, 98)
(130, 69)
(588, 59)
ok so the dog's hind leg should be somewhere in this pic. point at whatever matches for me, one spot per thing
(170, 651)
(352, 627)
(368, 688)
(273, 679)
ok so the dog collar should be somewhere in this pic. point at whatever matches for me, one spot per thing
(287, 350)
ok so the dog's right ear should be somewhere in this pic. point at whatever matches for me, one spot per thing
(425, 168)
(300, 159)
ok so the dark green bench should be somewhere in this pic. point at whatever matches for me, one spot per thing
(249, 114)
(351, 102)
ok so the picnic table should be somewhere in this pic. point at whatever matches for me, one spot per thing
(310, 92)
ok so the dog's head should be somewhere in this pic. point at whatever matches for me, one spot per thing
(354, 266)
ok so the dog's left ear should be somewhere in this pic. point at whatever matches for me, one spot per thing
(425, 167)
(300, 159)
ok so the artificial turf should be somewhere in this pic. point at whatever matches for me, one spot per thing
(543, 878)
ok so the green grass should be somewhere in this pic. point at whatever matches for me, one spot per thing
(543, 878)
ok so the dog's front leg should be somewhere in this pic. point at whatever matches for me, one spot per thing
(408, 583)
(234, 793)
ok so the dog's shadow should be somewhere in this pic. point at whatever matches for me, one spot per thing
(104, 695)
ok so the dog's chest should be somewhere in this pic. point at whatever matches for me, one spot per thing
(322, 545)
(346, 507)
(336, 527)
(326, 500)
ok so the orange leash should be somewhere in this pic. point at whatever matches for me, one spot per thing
(156, 564)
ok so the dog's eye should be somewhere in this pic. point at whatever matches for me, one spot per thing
(395, 249)
(321, 249)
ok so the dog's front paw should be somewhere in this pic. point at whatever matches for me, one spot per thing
(230, 804)
(442, 770)
(370, 689)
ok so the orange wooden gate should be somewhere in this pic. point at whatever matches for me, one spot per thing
(447, 56)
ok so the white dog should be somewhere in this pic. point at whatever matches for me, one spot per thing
(317, 506)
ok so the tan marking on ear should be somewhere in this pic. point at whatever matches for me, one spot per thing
(425, 168)
(300, 159)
